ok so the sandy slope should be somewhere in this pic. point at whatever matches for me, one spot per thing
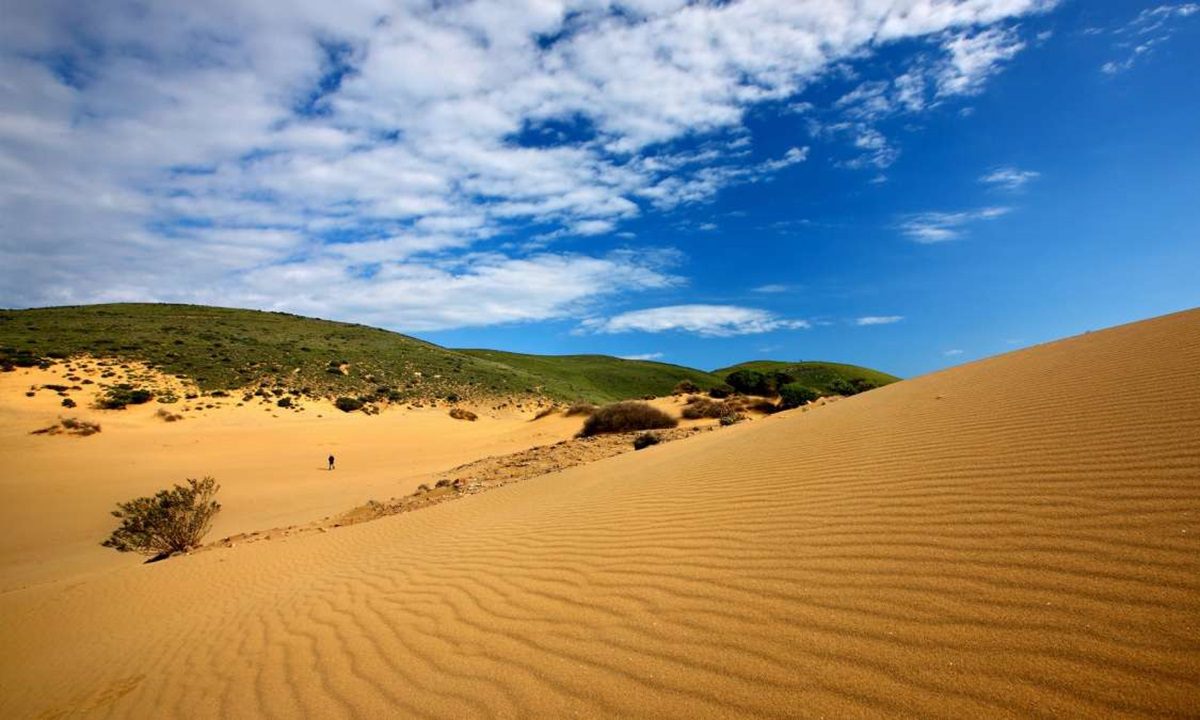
(1016, 537)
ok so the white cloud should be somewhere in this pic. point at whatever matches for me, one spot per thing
(954, 352)
(1149, 29)
(878, 320)
(242, 138)
(1009, 178)
(704, 320)
(643, 356)
(935, 227)
(774, 288)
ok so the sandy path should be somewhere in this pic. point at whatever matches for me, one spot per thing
(1017, 537)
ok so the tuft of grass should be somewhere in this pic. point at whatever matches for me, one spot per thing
(626, 416)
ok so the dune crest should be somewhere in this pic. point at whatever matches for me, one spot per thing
(1016, 537)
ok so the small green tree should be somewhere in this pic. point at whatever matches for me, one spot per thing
(171, 521)
(794, 395)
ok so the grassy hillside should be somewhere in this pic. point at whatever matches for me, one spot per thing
(817, 375)
(221, 348)
(226, 349)
(599, 378)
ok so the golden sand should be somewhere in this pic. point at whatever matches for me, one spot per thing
(1016, 537)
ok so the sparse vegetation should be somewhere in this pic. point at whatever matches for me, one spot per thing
(168, 416)
(348, 404)
(463, 414)
(683, 387)
(645, 440)
(579, 409)
(626, 416)
(169, 522)
(70, 426)
(119, 396)
(705, 408)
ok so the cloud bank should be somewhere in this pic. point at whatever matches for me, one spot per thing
(411, 164)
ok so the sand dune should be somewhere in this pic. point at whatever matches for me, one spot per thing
(1016, 537)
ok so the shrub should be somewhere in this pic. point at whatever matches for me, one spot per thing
(720, 392)
(626, 417)
(580, 408)
(645, 440)
(461, 414)
(171, 521)
(705, 408)
(794, 395)
(348, 404)
(118, 396)
(284, 402)
(765, 407)
(748, 382)
(735, 418)
(545, 412)
(851, 387)
(168, 416)
(685, 386)
(68, 403)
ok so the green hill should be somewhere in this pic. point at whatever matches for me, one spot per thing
(819, 376)
(228, 349)
(599, 378)
(224, 349)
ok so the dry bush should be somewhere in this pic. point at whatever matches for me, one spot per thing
(546, 412)
(580, 408)
(168, 416)
(685, 386)
(705, 408)
(626, 417)
(71, 426)
(461, 414)
(171, 521)
(645, 440)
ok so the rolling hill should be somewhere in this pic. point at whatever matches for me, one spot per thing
(819, 376)
(228, 349)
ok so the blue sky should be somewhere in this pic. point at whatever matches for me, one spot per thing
(906, 185)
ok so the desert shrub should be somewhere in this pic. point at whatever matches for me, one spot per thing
(705, 408)
(733, 419)
(118, 396)
(545, 412)
(765, 407)
(171, 521)
(580, 408)
(284, 402)
(348, 404)
(56, 388)
(720, 392)
(626, 416)
(218, 393)
(168, 416)
(461, 414)
(68, 403)
(794, 395)
(685, 386)
(645, 440)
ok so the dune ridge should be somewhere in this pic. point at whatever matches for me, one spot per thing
(1015, 537)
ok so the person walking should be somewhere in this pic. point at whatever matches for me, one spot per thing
(330, 462)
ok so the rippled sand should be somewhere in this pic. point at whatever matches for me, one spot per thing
(1015, 537)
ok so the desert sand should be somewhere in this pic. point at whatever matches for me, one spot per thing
(1016, 537)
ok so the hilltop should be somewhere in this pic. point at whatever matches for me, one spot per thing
(223, 349)
(825, 377)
